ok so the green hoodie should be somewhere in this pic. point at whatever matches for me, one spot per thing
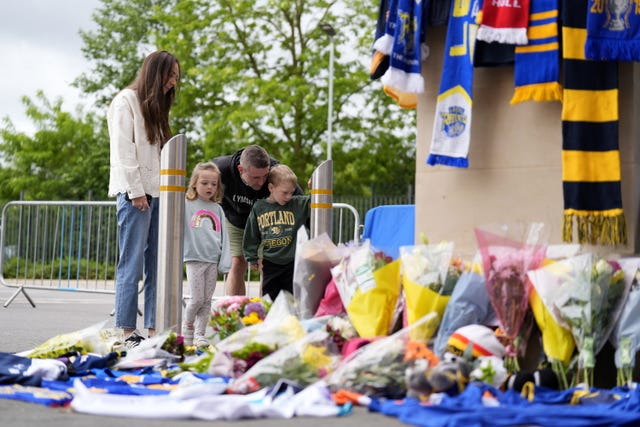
(276, 227)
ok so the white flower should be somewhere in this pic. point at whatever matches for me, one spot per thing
(490, 370)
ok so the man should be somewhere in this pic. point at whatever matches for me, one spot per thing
(244, 176)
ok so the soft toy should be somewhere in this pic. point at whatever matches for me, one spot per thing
(448, 376)
(542, 377)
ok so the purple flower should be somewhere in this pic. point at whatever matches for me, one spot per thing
(254, 307)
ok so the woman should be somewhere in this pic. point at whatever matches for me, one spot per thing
(138, 121)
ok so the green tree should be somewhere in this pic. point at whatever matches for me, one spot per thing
(256, 72)
(66, 158)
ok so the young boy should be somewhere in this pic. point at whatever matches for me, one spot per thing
(274, 222)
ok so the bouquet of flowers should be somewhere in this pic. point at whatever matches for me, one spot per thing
(429, 275)
(557, 341)
(469, 305)
(585, 295)
(378, 369)
(369, 287)
(93, 339)
(232, 313)
(241, 350)
(312, 271)
(505, 263)
(625, 336)
(304, 361)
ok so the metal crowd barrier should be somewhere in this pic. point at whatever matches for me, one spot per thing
(73, 246)
(70, 246)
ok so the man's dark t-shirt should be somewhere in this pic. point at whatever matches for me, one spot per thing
(238, 196)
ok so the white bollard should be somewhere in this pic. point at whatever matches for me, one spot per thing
(173, 162)
(322, 200)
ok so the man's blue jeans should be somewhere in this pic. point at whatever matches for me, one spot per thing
(138, 241)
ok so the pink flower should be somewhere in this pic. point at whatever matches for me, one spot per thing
(227, 301)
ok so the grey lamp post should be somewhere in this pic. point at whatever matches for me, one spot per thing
(331, 32)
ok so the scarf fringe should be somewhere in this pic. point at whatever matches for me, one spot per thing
(595, 228)
(439, 159)
(406, 82)
(539, 92)
(602, 49)
(516, 36)
(384, 44)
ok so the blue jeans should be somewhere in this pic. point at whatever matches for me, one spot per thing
(138, 241)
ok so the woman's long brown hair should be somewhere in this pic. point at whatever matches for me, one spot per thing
(154, 103)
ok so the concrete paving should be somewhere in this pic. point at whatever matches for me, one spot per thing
(24, 327)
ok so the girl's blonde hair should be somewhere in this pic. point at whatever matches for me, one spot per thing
(195, 175)
(279, 174)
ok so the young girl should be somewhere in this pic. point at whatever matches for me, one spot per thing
(206, 248)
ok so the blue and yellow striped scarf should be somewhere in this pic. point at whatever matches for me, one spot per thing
(590, 155)
(537, 70)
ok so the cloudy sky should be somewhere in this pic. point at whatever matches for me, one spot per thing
(40, 49)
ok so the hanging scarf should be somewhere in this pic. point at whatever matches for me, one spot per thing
(452, 123)
(590, 156)
(504, 21)
(404, 72)
(381, 59)
(536, 67)
(613, 31)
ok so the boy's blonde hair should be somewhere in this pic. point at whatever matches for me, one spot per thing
(280, 174)
(195, 175)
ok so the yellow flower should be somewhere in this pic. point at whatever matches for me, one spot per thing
(316, 356)
(251, 319)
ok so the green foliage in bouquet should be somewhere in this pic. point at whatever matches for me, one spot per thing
(174, 344)
(233, 313)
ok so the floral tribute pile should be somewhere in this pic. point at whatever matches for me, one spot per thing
(427, 330)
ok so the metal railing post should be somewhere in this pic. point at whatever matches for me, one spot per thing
(322, 200)
(173, 174)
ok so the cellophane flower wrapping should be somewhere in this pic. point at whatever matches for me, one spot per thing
(429, 275)
(234, 355)
(585, 294)
(312, 271)
(625, 335)
(469, 305)
(557, 341)
(232, 313)
(378, 369)
(506, 259)
(92, 339)
(369, 286)
(303, 362)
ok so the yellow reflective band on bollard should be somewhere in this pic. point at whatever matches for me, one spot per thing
(179, 172)
(321, 206)
(322, 191)
(174, 188)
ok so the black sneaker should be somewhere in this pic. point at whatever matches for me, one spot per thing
(133, 340)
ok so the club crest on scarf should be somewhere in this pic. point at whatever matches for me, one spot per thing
(454, 121)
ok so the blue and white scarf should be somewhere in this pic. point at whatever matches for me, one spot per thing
(452, 124)
(613, 31)
(402, 42)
